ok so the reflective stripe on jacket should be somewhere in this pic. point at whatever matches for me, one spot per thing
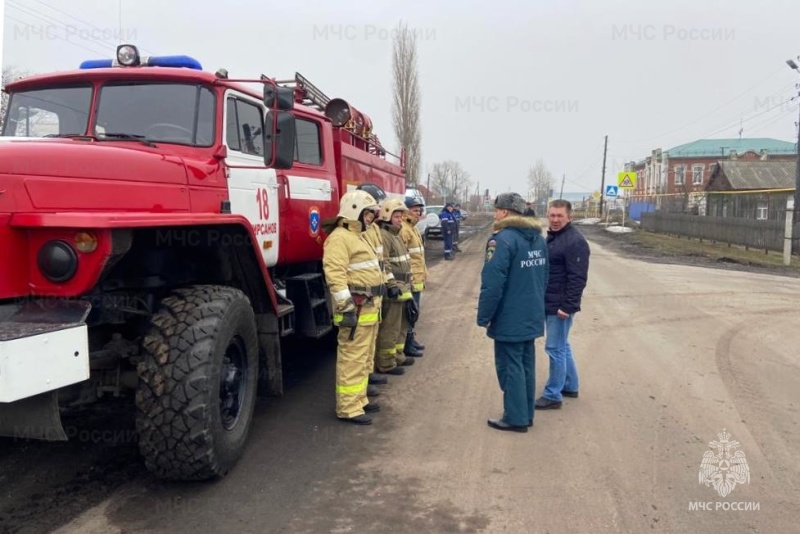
(397, 259)
(348, 260)
(413, 242)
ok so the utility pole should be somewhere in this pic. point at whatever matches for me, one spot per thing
(428, 188)
(561, 194)
(603, 180)
(2, 23)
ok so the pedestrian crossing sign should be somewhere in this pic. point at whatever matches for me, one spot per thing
(612, 191)
(626, 180)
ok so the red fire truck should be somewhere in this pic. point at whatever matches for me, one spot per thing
(161, 229)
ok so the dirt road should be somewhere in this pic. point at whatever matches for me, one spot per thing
(669, 356)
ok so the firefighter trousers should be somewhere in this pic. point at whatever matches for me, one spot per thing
(388, 334)
(354, 361)
(402, 337)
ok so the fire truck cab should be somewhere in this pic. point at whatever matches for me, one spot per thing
(162, 229)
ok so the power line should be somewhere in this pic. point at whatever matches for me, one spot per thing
(707, 114)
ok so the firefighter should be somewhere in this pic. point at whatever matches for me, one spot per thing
(449, 224)
(373, 236)
(419, 270)
(394, 325)
(355, 280)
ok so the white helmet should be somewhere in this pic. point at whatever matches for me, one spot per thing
(354, 202)
(389, 206)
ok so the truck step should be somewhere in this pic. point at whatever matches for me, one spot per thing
(285, 308)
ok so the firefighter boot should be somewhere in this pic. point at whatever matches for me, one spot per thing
(410, 349)
(417, 345)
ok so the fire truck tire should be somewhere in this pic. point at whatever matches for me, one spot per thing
(197, 383)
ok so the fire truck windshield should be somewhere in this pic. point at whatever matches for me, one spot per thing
(156, 112)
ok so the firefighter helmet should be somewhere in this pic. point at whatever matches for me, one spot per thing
(374, 190)
(355, 202)
(388, 207)
(414, 201)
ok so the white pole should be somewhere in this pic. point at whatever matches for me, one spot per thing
(787, 234)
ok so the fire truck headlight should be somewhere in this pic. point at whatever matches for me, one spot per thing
(57, 261)
(127, 55)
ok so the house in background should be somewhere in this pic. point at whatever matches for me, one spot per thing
(751, 189)
(675, 180)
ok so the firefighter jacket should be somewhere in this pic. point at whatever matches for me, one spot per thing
(397, 259)
(374, 238)
(513, 281)
(352, 272)
(413, 242)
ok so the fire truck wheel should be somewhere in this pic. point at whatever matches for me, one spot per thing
(197, 383)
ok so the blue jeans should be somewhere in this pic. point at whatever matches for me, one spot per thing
(563, 374)
(516, 373)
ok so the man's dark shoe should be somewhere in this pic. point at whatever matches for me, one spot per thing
(543, 403)
(570, 394)
(408, 361)
(375, 379)
(372, 391)
(499, 424)
(417, 345)
(394, 371)
(362, 419)
(530, 423)
(372, 407)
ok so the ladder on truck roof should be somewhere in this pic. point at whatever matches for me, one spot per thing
(306, 93)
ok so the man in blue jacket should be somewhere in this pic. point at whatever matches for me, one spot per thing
(511, 306)
(569, 269)
(448, 219)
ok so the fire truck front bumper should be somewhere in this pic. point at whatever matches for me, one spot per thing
(44, 346)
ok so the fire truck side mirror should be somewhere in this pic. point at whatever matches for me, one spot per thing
(278, 98)
(279, 139)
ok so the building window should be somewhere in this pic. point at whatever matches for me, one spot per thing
(679, 174)
(697, 175)
(762, 211)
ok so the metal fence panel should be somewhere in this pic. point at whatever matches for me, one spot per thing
(763, 235)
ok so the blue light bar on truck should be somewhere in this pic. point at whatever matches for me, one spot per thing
(155, 61)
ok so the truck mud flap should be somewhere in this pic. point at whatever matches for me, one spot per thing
(36, 417)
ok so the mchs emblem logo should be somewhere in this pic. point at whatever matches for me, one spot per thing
(726, 467)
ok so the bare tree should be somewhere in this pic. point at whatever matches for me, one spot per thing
(451, 181)
(406, 106)
(9, 74)
(540, 184)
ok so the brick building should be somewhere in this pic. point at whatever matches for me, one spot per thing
(675, 180)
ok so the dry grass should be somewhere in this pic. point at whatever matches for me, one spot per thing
(668, 245)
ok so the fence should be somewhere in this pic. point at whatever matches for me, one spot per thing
(762, 235)
(760, 205)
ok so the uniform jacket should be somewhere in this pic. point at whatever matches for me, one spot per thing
(397, 260)
(513, 281)
(349, 260)
(569, 269)
(448, 220)
(413, 242)
(374, 238)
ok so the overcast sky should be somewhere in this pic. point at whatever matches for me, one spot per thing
(503, 82)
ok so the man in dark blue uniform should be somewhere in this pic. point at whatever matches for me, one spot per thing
(511, 306)
(448, 220)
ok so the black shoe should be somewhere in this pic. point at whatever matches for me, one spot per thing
(408, 361)
(409, 350)
(372, 407)
(357, 420)
(499, 424)
(372, 391)
(394, 371)
(375, 379)
(417, 345)
(543, 403)
(570, 394)
(530, 424)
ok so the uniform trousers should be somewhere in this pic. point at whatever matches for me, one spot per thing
(515, 361)
(354, 361)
